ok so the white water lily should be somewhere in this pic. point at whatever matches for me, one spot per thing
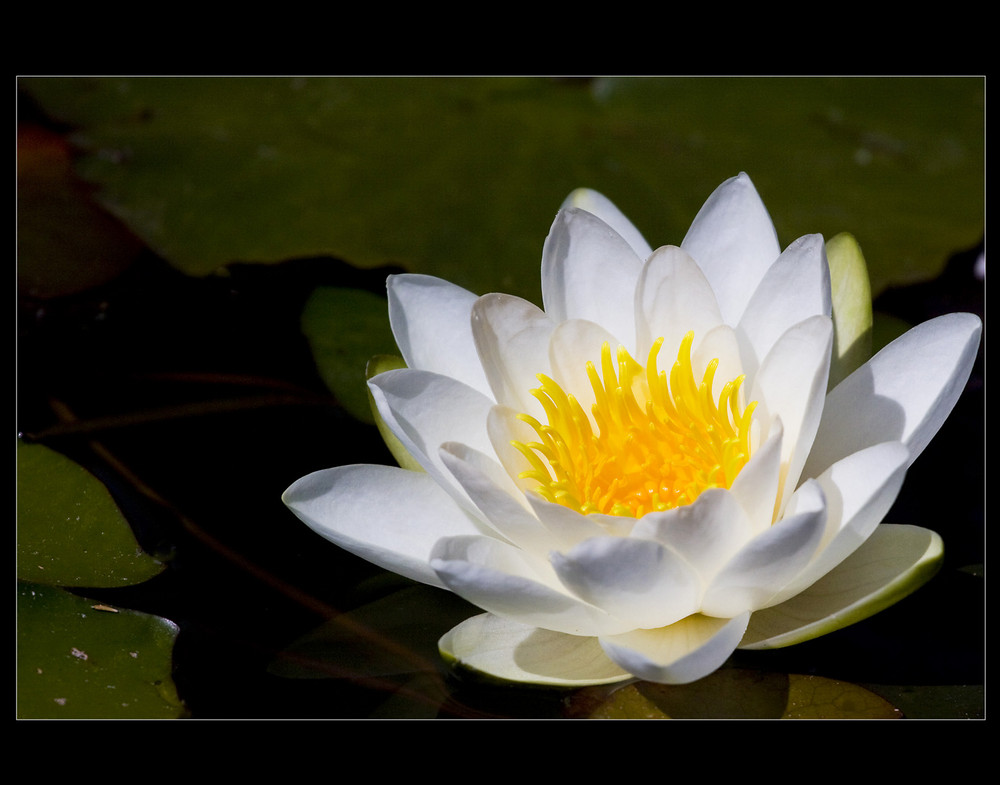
(651, 470)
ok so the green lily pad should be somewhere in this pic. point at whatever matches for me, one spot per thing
(345, 328)
(733, 693)
(78, 659)
(70, 532)
(460, 177)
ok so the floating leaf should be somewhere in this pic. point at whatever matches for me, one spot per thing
(732, 693)
(460, 177)
(70, 532)
(345, 329)
(79, 659)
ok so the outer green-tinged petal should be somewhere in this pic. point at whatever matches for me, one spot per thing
(734, 242)
(511, 651)
(504, 580)
(771, 559)
(800, 281)
(894, 562)
(512, 338)
(852, 306)
(430, 321)
(599, 205)
(376, 365)
(589, 272)
(678, 654)
(904, 393)
(391, 517)
(640, 581)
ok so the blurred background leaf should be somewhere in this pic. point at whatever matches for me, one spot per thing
(460, 177)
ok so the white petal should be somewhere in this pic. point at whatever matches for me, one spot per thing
(756, 486)
(772, 559)
(707, 533)
(791, 384)
(639, 581)
(794, 288)
(430, 321)
(599, 205)
(512, 337)
(859, 491)
(904, 393)
(424, 410)
(497, 498)
(681, 653)
(508, 650)
(589, 272)
(570, 528)
(573, 345)
(733, 240)
(502, 579)
(895, 561)
(673, 297)
(720, 343)
(386, 515)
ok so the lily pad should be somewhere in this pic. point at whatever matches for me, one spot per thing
(70, 532)
(733, 693)
(80, 659)
(345, 328)
(460, 177)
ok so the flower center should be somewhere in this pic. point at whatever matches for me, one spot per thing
(652, 443)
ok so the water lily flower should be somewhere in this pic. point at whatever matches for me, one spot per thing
(656, 467)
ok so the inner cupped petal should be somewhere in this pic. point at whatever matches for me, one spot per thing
(512, 338)
(791, 385)
(794, 288)
(734, 242)
(673, 297)
(589, 272)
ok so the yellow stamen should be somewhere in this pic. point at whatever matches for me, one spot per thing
(652, 443)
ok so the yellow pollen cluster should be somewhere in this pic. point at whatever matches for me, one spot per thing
(657, 443)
